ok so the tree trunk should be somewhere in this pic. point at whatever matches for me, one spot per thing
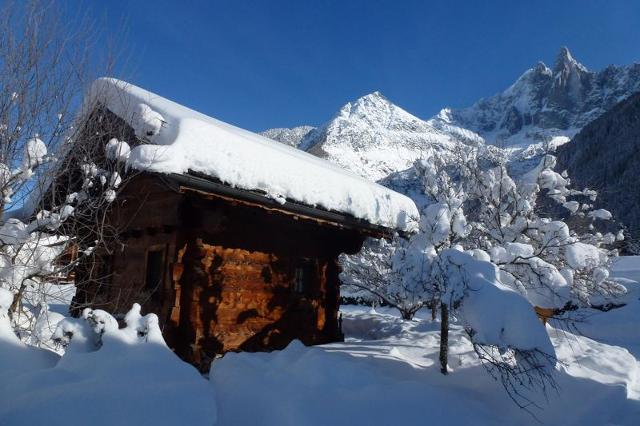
(444, 337)
(407, 315)
(434, 309)
(15, 304)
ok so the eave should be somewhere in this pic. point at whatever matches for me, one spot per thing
(208, 186)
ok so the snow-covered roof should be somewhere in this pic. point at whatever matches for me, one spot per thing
(181, 140)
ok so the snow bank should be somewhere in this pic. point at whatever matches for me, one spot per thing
(15, 356)
(313, 386)
(184, 140)
(108, 376)
(392, 378)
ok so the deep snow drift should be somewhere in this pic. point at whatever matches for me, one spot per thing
(128, 379)
(385, 373)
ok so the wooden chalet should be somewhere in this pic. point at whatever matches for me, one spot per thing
(228, 268)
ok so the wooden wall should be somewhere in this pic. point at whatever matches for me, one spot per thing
(230, 271)
(146, 213)
(237, 278)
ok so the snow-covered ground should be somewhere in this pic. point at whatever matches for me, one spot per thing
(386, 372)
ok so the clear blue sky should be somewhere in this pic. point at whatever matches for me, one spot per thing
(262, 64)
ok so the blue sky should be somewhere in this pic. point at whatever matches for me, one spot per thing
(262, 64)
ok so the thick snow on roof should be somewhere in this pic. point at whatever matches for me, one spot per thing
(190, 141)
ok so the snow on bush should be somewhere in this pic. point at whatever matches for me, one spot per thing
(391, 272)
(495, 314)
(507, 336)
(107, 375)
(35, 151)
(547, 257)
(515, 258)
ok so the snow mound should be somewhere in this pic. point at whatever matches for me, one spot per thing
(108, 376)
(15, 356)
(319, 387)
(393, 378)
(185, 140)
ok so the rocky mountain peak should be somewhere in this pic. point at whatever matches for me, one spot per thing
(544, 105)
(541, 68)
(288, 136)
(369, 103)
(374, 137)
(565, 62)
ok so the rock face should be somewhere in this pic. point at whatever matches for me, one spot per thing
(291, 137)
(605, 156)
(547, 103)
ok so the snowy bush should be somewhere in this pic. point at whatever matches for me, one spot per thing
(15, 356)
(502, 325)
(544, 243)
(489, 249)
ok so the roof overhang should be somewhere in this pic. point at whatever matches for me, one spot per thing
(193, 182)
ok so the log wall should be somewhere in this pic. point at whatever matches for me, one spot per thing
(237, 277)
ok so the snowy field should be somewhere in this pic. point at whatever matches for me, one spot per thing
(385, 373)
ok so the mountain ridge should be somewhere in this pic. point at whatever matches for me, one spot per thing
(374, 137)
(543, 103)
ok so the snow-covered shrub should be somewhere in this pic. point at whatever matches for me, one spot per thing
(502, 325)
(494, 314)
(87, 333)
(489, 248)
(53, 179)
(543, 241)
(398, 272)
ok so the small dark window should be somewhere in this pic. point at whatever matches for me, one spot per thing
(154, 272)
(303, 278)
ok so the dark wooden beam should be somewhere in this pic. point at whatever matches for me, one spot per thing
(292, 208)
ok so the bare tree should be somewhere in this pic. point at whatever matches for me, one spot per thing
(381, 269)
(55, 179)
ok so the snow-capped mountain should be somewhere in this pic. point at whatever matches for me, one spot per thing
(373, 137)
(288, 136)
(544, 104)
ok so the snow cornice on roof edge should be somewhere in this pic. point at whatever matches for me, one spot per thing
(189, 141)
